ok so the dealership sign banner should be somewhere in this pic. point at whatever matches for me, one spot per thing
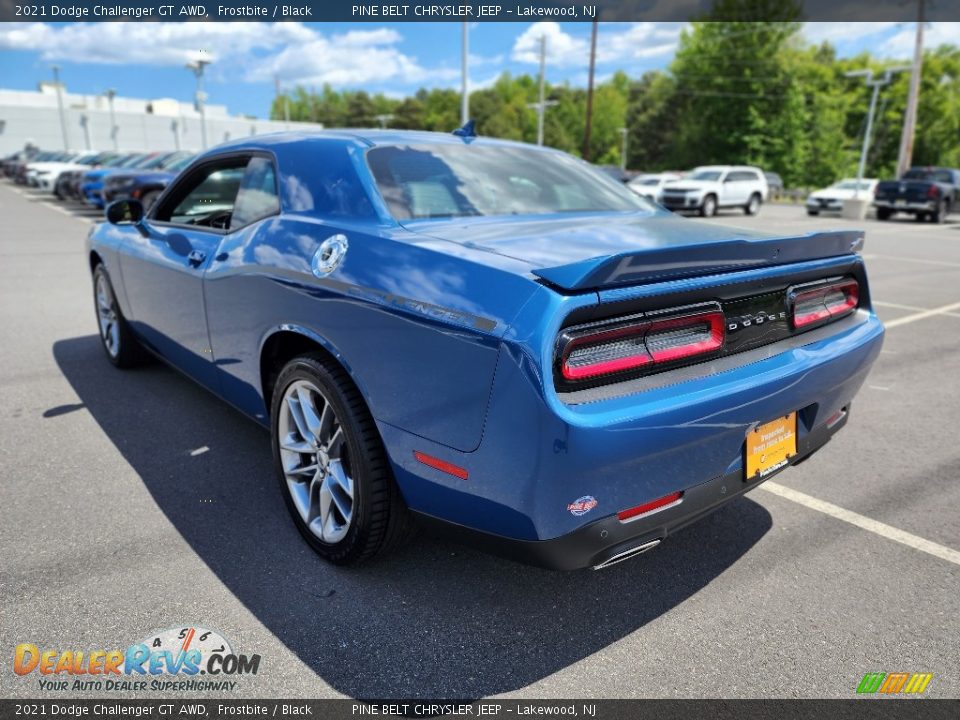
(458, 10)
(499, 709)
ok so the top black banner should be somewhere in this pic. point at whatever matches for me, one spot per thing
(468, 11)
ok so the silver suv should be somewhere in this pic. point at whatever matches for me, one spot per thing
(704, 189)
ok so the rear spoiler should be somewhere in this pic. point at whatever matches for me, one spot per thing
(668, 263)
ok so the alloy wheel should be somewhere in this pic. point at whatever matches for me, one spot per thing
(107, 315)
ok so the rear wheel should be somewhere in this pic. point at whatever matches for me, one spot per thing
(332, 465)
(940, 214)
(753, 205)
(118, 341)
(708, 208)
(813, 212)
(883, 213)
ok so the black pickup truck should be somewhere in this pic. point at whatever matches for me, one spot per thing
(925, 192)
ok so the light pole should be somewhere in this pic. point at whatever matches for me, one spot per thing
(876, 85)
(63, 117)
(542, 105)
(623, 150)
(464, 83)
(111, 94)
(383, 119)
(197, 67)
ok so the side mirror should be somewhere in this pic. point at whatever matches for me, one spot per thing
(125, 212)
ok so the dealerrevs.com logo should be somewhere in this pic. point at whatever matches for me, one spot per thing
(183, 658)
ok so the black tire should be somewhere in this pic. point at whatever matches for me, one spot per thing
(813, 213)
(149, 198)
(708, 206)
(883, 213)
(921, 216)
(128, 352)
(940, 214)
(380, 519)
(753, 205)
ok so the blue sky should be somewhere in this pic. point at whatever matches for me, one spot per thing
(146, 60)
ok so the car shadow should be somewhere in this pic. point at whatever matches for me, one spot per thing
(434, 619)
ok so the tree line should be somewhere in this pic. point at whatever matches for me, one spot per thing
(735, 93)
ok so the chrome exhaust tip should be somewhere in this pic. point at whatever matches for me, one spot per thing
(627, 554)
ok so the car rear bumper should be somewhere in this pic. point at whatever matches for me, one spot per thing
(927, 206)
(607, 541)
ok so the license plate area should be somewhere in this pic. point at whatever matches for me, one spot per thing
(770, 446)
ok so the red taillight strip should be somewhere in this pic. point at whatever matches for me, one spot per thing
(815, 305)
(647, 508)
(717, 332)
(606, 367)
(441, 465)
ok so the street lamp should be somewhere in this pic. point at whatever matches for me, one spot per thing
(197, 67)
(111, 94)
(886, 79)
(542, 104)
(623, 150)
(63, 117)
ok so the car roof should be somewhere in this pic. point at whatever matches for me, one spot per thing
(365, 137)
(728, 167)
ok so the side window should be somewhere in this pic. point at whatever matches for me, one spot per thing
(257, 198)
(206, 198)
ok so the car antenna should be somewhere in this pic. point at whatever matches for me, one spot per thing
(467, 131)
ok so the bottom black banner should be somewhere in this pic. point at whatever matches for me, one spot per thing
(875, 708)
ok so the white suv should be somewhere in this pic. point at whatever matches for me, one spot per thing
(707, 188)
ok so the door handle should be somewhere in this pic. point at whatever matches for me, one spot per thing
(196, 257)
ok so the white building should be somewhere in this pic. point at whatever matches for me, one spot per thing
(156, 124)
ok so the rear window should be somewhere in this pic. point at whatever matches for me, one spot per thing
(444, 181)
(943, 176)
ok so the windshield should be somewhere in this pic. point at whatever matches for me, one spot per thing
(922, 174)
(179, 165)
(647, 181)
(851, 185)
(443, 181)
(708, 175)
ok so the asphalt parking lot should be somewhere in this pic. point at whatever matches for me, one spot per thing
(133, 502)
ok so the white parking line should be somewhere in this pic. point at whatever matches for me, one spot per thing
(942, 310)
(863, 522)
(914, 308)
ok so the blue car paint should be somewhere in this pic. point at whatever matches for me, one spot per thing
(450, 338)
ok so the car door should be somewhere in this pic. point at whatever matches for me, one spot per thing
(164, 264)
(734, 189)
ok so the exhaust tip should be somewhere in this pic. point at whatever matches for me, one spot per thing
(627, 554)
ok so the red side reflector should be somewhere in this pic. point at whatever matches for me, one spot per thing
(649, 507)
(441, 465)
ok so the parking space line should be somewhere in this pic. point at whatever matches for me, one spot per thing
(914, 308)
(942, 310)
(863, 522)
(945, 263)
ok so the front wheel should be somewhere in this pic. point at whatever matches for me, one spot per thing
(117, 339)
(883, 213)
(753, 205)
(708, 208)
(813, 213)
(332, 465)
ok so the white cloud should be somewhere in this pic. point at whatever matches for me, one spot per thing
(617, 42)
(900, 44)
(147, 43)
(357, 57)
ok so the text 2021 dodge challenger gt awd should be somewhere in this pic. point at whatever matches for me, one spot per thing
(485, 336)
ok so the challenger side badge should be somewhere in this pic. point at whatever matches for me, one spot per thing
(329, 255)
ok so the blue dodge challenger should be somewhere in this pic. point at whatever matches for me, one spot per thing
(485, 337)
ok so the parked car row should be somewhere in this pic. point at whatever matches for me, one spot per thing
(96, 178)
(706, 189)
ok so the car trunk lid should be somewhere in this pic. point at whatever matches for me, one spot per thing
(591, 252)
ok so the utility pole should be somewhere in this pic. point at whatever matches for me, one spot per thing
(197, 67)
(85, 124)
(543, 104)
(905, 156)
(111, 94)
(464, 75)
(593, 67)
(63, 117)
(876, 85)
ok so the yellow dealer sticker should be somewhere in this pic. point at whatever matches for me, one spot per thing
(770, 446)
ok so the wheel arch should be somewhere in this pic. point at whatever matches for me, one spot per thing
(285, 342)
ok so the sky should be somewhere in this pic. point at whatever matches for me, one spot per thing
(146, 60)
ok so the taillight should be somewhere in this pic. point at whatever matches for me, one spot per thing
(933, 191)
(648, 340)
(823, 303)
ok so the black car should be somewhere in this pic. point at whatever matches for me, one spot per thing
(924, 192)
